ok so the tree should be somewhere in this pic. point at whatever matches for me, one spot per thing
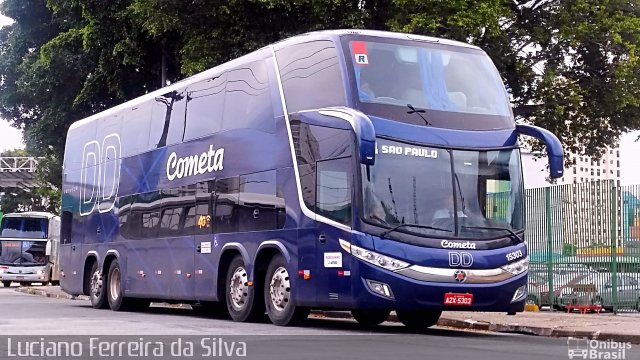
(570, 65)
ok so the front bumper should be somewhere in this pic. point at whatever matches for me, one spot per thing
(22, 277)
(412, 294)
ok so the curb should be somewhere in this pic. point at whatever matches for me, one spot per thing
(41, 292)
(467, 324)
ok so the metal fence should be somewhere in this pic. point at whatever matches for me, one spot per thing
(584, 246)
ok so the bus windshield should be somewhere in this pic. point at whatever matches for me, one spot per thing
(24, 228)
(444, 193)
(22, 253)
(457, 87)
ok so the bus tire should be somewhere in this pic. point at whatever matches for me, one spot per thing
(115, 295)
(6, 283)
(97, 293)
(277, 295)
(418, 320)
(240, 294)
(370, 318)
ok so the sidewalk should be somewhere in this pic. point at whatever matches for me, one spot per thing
(605, 326)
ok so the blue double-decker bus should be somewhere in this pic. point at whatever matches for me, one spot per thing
(350, 170)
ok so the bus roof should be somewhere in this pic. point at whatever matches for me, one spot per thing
(31, 214)
(316, 35)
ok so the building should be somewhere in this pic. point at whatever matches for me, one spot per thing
(585, 169)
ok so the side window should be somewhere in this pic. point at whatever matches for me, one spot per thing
(333, 194)
(167, 119)
(150, 221)
(205, 103)
(170, 222)
(203, 209)
(189, 220)
(316, 143)
(65, 232)
(123, 205)
(258, 203)
(225, 216)
(311, 76)
(248, 98)
(142, 220)
(135, 130)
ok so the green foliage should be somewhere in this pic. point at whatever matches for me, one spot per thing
(570, 65)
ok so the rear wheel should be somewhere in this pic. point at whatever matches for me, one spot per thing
(26, 283)
(6, 283)
(277, 295)
(418, 320)
(97, 293)
(370, 318)
(240, 293)
(115, 295)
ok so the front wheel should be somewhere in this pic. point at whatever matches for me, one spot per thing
(6, 283)
(418, 320)
(370, 318)
(277, 295)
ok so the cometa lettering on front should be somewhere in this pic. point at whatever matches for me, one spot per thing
(208, 161)
(457, 245)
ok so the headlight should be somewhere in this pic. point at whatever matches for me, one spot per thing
(518, 267)
(40, 272)
(374, 258)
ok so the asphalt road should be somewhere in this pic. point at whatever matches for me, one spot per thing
(28, 319)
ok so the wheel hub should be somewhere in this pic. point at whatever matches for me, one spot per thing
(280, 288)
(96, 284)
(238, 288)
(114, 284)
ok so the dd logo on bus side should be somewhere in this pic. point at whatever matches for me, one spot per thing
(100, 175)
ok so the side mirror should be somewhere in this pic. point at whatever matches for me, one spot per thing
(363, 128)
(554, 147)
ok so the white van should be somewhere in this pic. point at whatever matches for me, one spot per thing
(29, 248)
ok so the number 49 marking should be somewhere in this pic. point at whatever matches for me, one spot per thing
(100, 177)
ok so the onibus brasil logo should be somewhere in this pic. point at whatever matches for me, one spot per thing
(596, 349)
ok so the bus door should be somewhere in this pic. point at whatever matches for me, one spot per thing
(204, 269)
(334, 191)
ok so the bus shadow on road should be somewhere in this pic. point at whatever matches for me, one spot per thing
(321, 323)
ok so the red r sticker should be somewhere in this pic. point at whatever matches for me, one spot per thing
(360, 55)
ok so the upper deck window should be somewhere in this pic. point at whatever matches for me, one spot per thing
(452, 87)
(310, 74)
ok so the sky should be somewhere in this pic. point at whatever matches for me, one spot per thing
(11, 138)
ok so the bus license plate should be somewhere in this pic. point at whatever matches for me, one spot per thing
(19, 277)
(458, 299)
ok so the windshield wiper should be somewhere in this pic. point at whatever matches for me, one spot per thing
(511, 232)
(386, 232)
(419, 112)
